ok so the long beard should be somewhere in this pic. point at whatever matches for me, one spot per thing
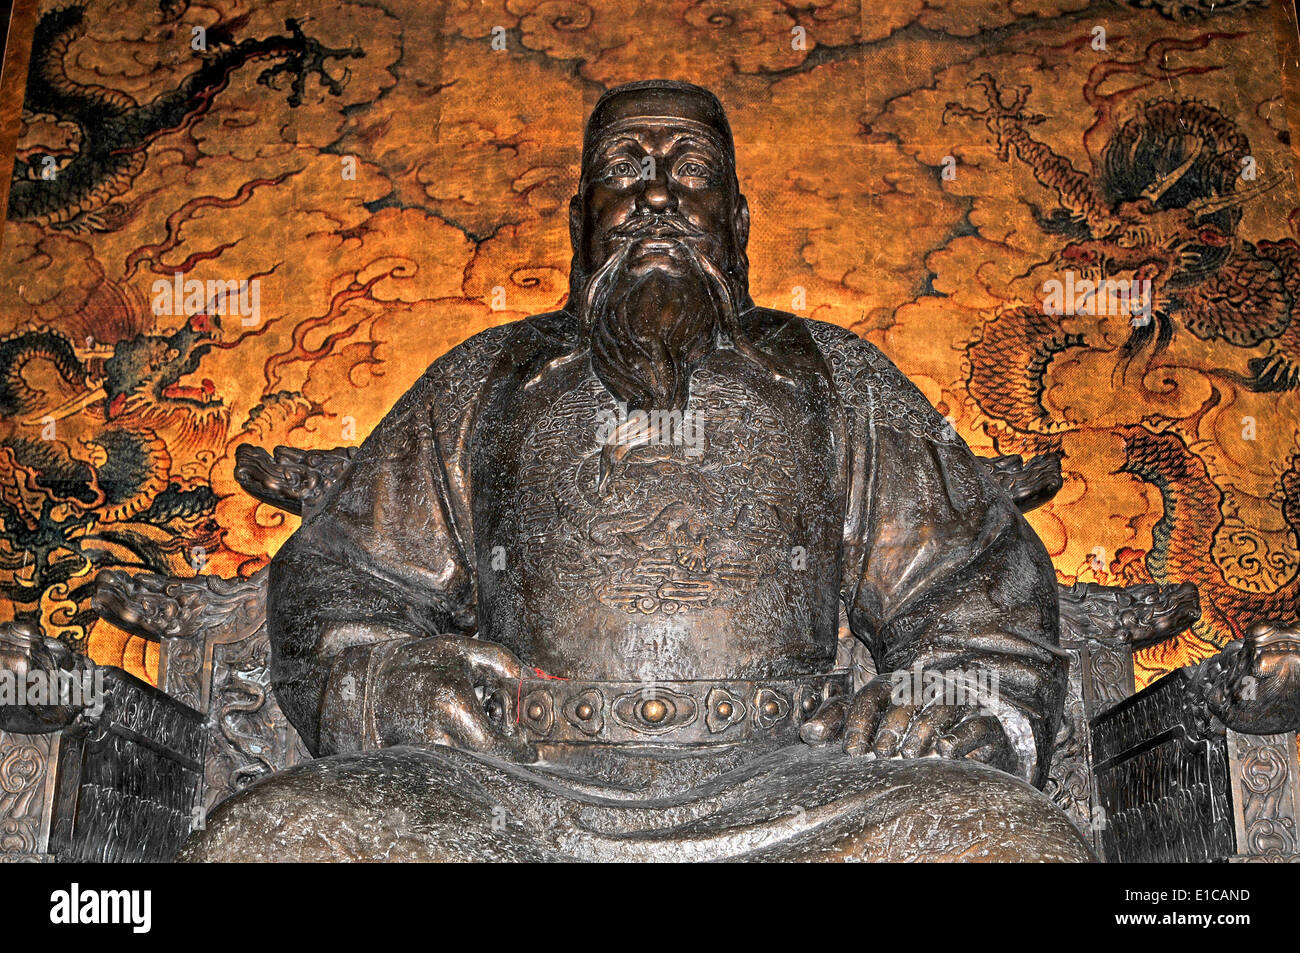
(648, 331)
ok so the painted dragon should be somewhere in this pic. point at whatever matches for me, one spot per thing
(86, 458)
(1184, 538)
(1162, 203)
(75, 189)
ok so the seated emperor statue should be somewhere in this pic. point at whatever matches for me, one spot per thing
(580, 594)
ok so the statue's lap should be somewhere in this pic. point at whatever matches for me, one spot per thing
(794, 803)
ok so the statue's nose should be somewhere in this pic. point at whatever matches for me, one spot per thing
(656, 196)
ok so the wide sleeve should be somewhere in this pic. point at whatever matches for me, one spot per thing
(386, 556)
(942, 575)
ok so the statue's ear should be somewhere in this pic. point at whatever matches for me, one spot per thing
(740, 221)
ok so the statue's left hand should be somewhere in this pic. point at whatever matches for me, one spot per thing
(872, 724)
(431, 689)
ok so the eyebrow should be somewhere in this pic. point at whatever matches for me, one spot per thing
(698, 141)
(606, 150)
(685, 136)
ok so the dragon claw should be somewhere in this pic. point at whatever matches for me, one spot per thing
(309, 58)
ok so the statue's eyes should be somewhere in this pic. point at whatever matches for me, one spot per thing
(623, 169)
(692, 170)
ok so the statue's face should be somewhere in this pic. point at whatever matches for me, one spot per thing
(653, 182)
(659, 232)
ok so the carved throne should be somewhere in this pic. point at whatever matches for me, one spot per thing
(1153, 776)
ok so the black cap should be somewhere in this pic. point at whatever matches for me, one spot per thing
(659, 98)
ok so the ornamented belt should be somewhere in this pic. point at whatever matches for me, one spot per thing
(573, 711)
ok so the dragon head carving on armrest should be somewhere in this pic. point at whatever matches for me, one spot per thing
(160, 607)
(292, 480)
(45, 667)
(1253, 685)
(1030, 484)
(1130, 616)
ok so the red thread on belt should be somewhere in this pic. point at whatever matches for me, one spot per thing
(519, 688)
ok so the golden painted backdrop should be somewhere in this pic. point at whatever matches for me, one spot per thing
(393, 177)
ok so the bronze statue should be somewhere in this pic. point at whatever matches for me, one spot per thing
(580, 594)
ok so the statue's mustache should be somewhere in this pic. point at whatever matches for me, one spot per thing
(655, 226)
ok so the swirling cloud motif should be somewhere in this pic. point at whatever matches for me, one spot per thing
(395, 178)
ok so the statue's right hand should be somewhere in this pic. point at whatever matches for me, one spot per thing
(433, 692)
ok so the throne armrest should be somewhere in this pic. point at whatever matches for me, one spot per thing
(1132, 617)
(1100, 627)
(296, 480)
(1202, 764)
(214, 655)
(159, 608)
(118, 780)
